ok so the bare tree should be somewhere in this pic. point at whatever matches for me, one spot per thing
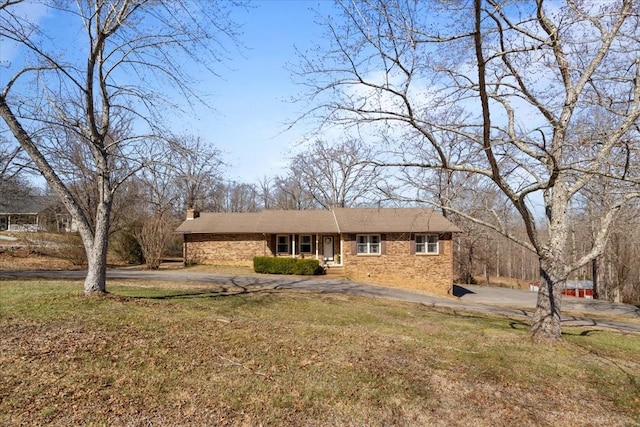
(265, 189)
(196, 166)
(339, 175)
(615, 272)
(10, 162)
(154, 236)
(523, 76)
(132, 52)
(290, 194)
(13, 184)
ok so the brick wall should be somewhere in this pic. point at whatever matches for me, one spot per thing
(229, 249)
(398, 267)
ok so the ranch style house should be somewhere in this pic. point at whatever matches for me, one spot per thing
(409, 247)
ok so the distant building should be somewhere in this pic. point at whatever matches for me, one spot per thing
(573, 288)
(34, 213)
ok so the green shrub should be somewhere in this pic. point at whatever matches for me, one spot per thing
(261, 264)
(275, 265)
(284, 265)
(307, 267)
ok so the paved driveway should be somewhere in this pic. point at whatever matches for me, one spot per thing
(489, 300)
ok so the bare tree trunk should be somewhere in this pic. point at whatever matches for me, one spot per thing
(96, 280)
(546, 325)
(594, 277)
(96, 246)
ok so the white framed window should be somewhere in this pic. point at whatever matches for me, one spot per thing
(305, 244)
(426, 243)
(282, 244)
(368, 244)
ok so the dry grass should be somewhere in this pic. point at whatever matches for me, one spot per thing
(30, 259)
(503, 282)
(222, 269)
(166, 355)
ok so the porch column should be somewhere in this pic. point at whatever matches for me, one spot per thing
(341, 249)
(317, 242)
(293, 246)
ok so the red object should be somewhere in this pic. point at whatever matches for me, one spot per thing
(582, 293)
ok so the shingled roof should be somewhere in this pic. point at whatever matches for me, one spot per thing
(339, 220)
(31, 205)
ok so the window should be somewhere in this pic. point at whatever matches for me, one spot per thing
(426, 243)
(368, 243)
(305, 244)
(282, 244)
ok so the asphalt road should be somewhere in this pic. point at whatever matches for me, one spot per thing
(511, 303)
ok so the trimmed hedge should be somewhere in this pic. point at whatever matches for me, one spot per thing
(275, 265)
(307, 267)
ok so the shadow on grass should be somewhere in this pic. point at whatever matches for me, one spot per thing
(632, 377)
(240, 285)
(519, 325)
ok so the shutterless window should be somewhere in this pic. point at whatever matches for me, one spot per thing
(283, 244)
(305, 244)
(426, 243)
(368, 243)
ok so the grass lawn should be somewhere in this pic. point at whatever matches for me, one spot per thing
(168, 354)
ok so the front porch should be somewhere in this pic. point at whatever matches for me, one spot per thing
(19, 222)
(328, 249)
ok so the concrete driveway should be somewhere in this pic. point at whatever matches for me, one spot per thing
(481, 299)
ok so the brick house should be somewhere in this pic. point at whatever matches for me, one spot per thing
(395, 246)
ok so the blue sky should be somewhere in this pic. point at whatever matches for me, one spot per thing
(252, 101)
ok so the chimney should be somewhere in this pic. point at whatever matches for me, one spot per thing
(192, 213)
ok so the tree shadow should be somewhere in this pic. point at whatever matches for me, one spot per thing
(219, 292)
(519, 325)
(459, 291)
(625, 370)
(238, 285)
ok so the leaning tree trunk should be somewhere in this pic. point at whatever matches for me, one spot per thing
(547, 325)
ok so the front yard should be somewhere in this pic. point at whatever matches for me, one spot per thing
(160, 354)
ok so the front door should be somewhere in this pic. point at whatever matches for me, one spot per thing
(327, 248)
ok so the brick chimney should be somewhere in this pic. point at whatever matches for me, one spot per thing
(192, 213)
